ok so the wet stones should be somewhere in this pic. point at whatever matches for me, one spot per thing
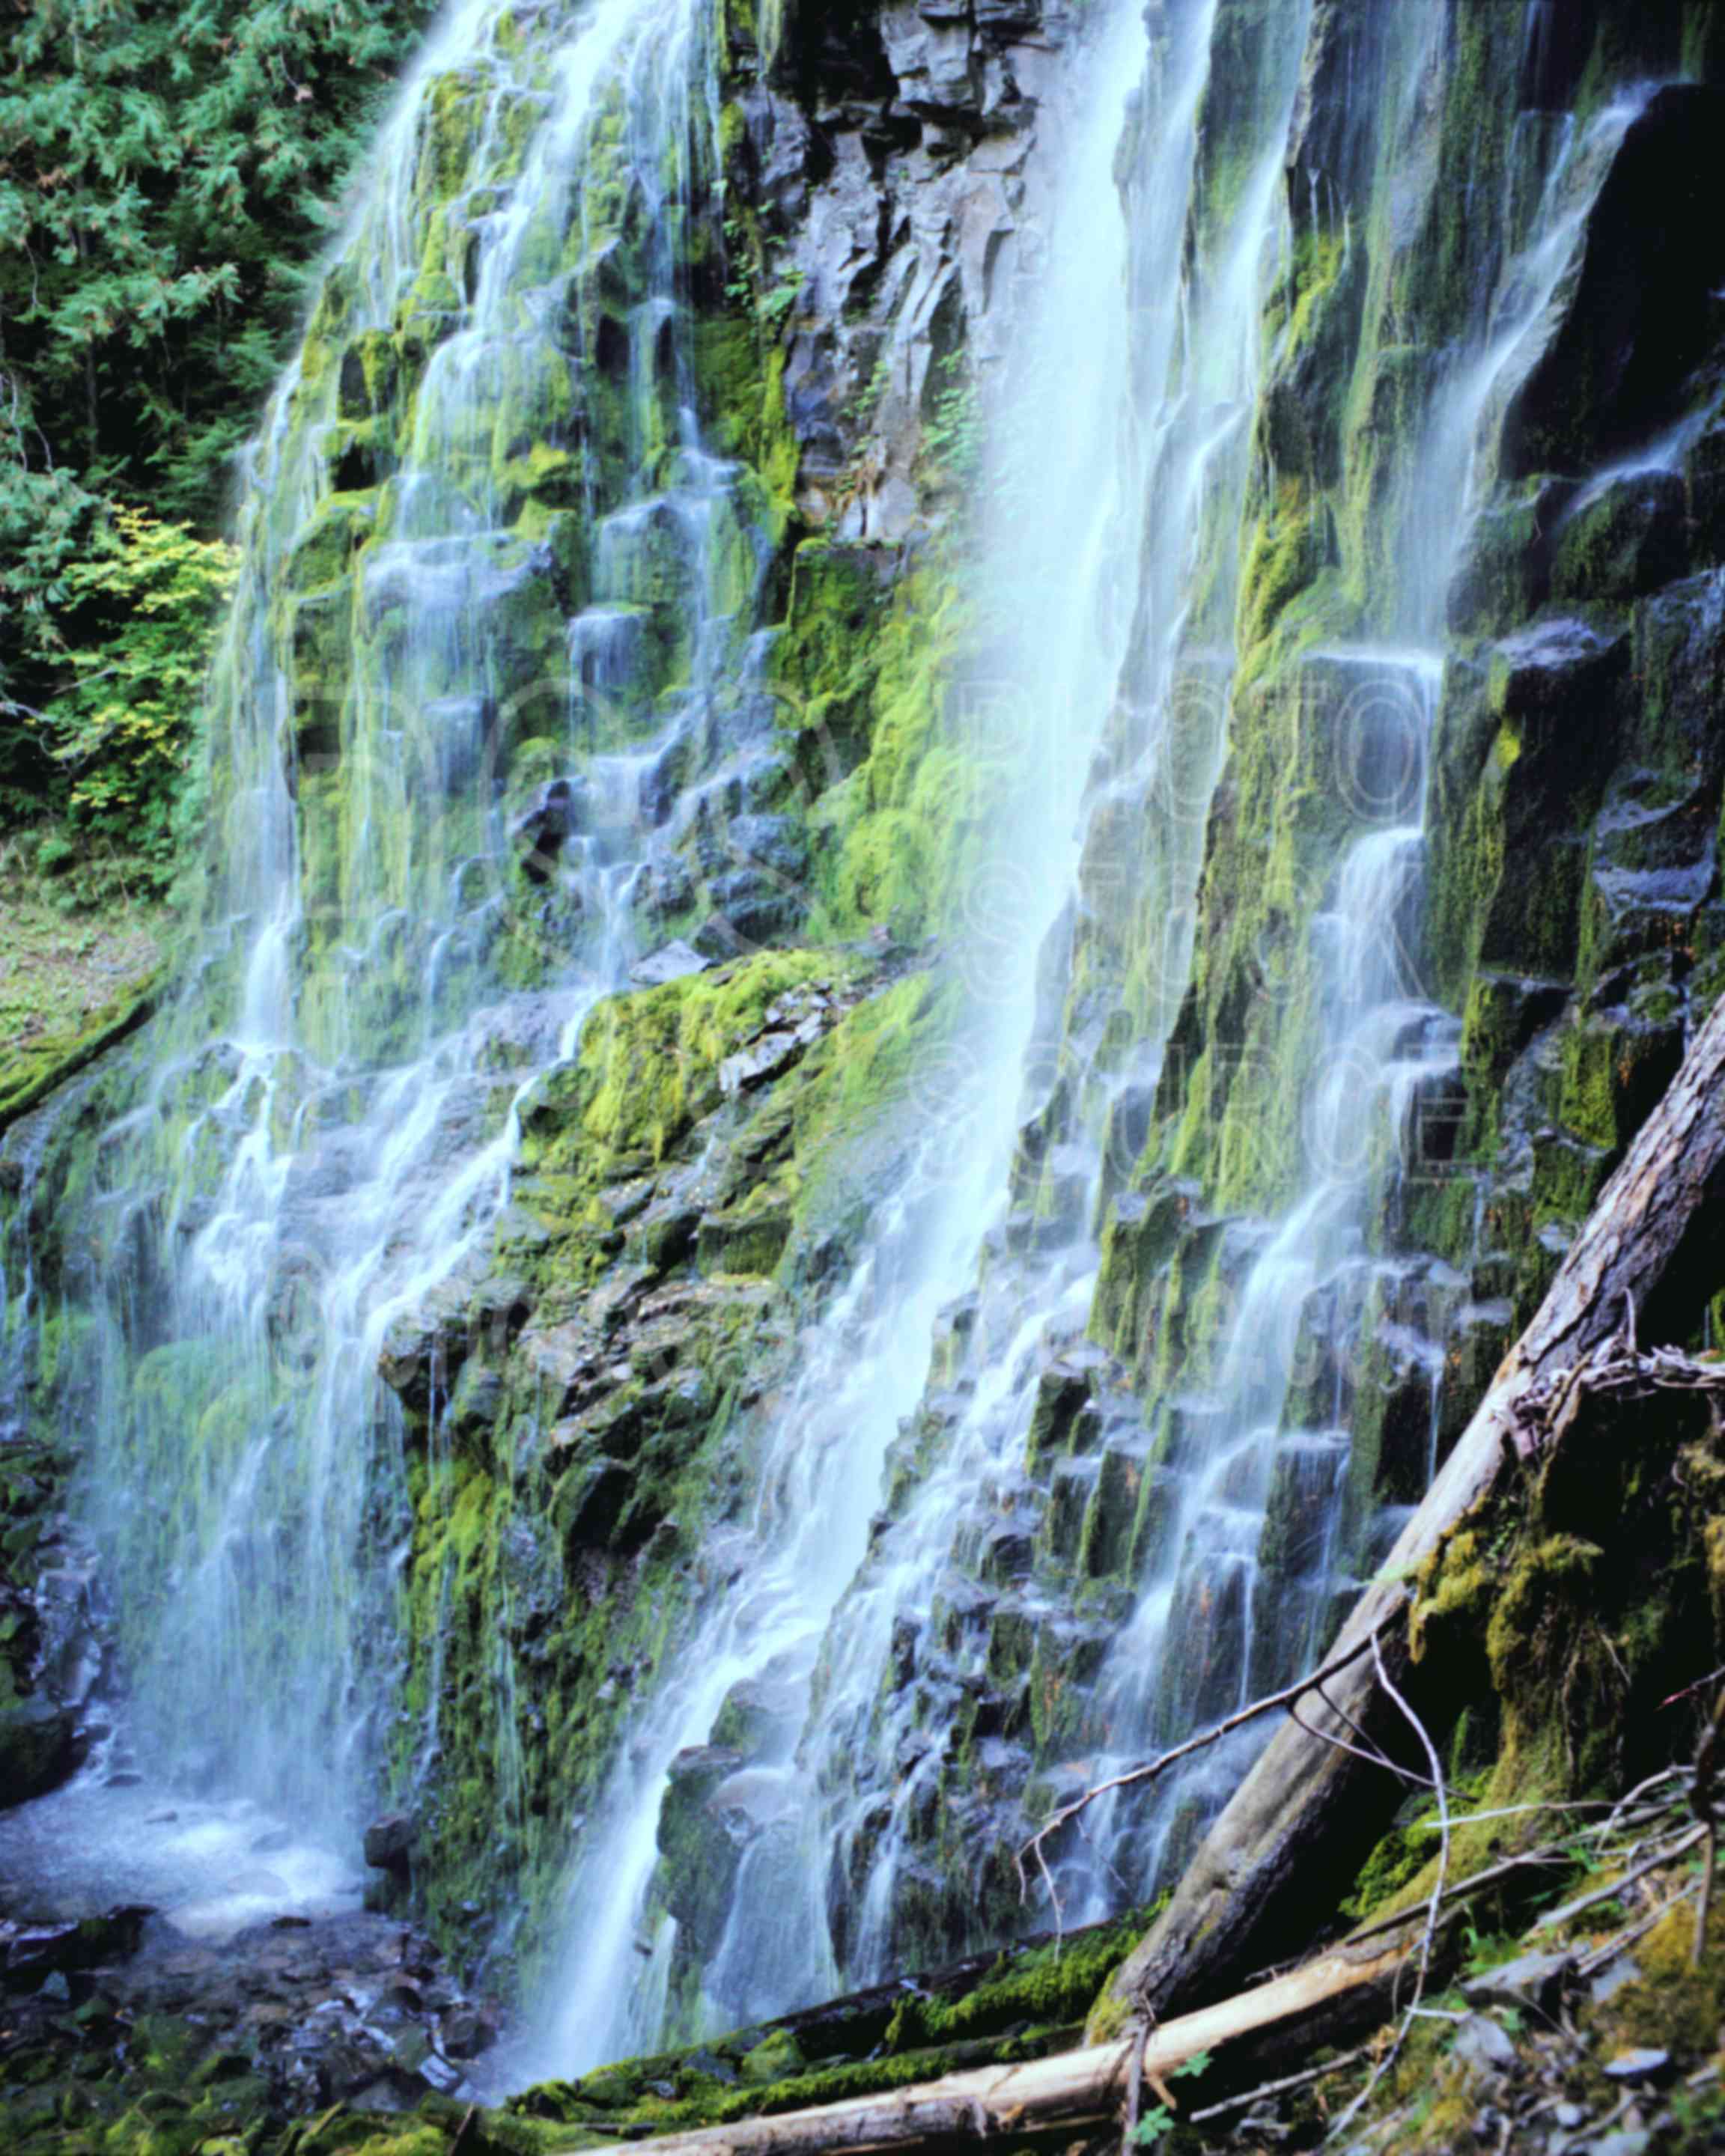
(1064, 1392)
(1071, 1490)
(540, 834)
(1008, 1553)
(33, 1953)
(762, 1716)
(41, 1746)
(699, 1852)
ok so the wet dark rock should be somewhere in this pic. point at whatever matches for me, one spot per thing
(33, 1952)
(763, 1712)
(1642, 315)
(467, 2032)
(540, 834)
(1552, 671)
(1063, 1392)
(1622, 539)
(41, 1746)
(389, 1842)
(1007, 1554)
(699, 1849)
(670, 1236)
(589, 1502)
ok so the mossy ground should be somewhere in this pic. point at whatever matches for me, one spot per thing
(174, 2103)
(71, 980)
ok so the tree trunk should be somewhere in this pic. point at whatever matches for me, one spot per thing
(1307, 1815)
(1261, 2029)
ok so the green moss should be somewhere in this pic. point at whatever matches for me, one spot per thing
(649, 1065)
(907, 797)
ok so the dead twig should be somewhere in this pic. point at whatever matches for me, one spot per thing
(1428, 1936)
(1700, 1803)
(1530, 1860)
(1512, 1811)
(1689, 1690)
(1135, 2085)
(1657, 1862)
(1620, 1942)
(1372, 1758)
(1593, 2128)
(1268, 2089)
(1272, 1703)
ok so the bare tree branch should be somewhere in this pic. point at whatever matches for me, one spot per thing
(1273, 1702)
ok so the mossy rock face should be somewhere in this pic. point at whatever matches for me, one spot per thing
(1628, 540)
(593, 1395)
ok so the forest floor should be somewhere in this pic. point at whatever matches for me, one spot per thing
(70, 980)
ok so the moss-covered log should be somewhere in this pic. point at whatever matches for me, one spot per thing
(1075, 2089)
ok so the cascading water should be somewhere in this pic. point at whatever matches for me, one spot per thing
(885, 1746)
(1215, 1625)
(1030, 724)
(492, 729)
(488, 676)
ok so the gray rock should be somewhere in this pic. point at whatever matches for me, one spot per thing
(1613, 1977)
(1533, 1979)
(674, 962)
(389, 1842)
(1638, 2066)
(1482, 2044)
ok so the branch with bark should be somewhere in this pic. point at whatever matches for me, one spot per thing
(1306, 1812)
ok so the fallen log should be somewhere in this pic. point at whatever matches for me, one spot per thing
(1075, 2089)
(1309, 1811)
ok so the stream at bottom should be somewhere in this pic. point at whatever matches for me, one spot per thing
(138, 1923)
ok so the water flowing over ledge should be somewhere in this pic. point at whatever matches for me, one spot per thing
(880, 1040)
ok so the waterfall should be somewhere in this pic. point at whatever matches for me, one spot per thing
(904, 1647)
(1244, 1589)
(494, 739)
(454, 679)
(1031, 711)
